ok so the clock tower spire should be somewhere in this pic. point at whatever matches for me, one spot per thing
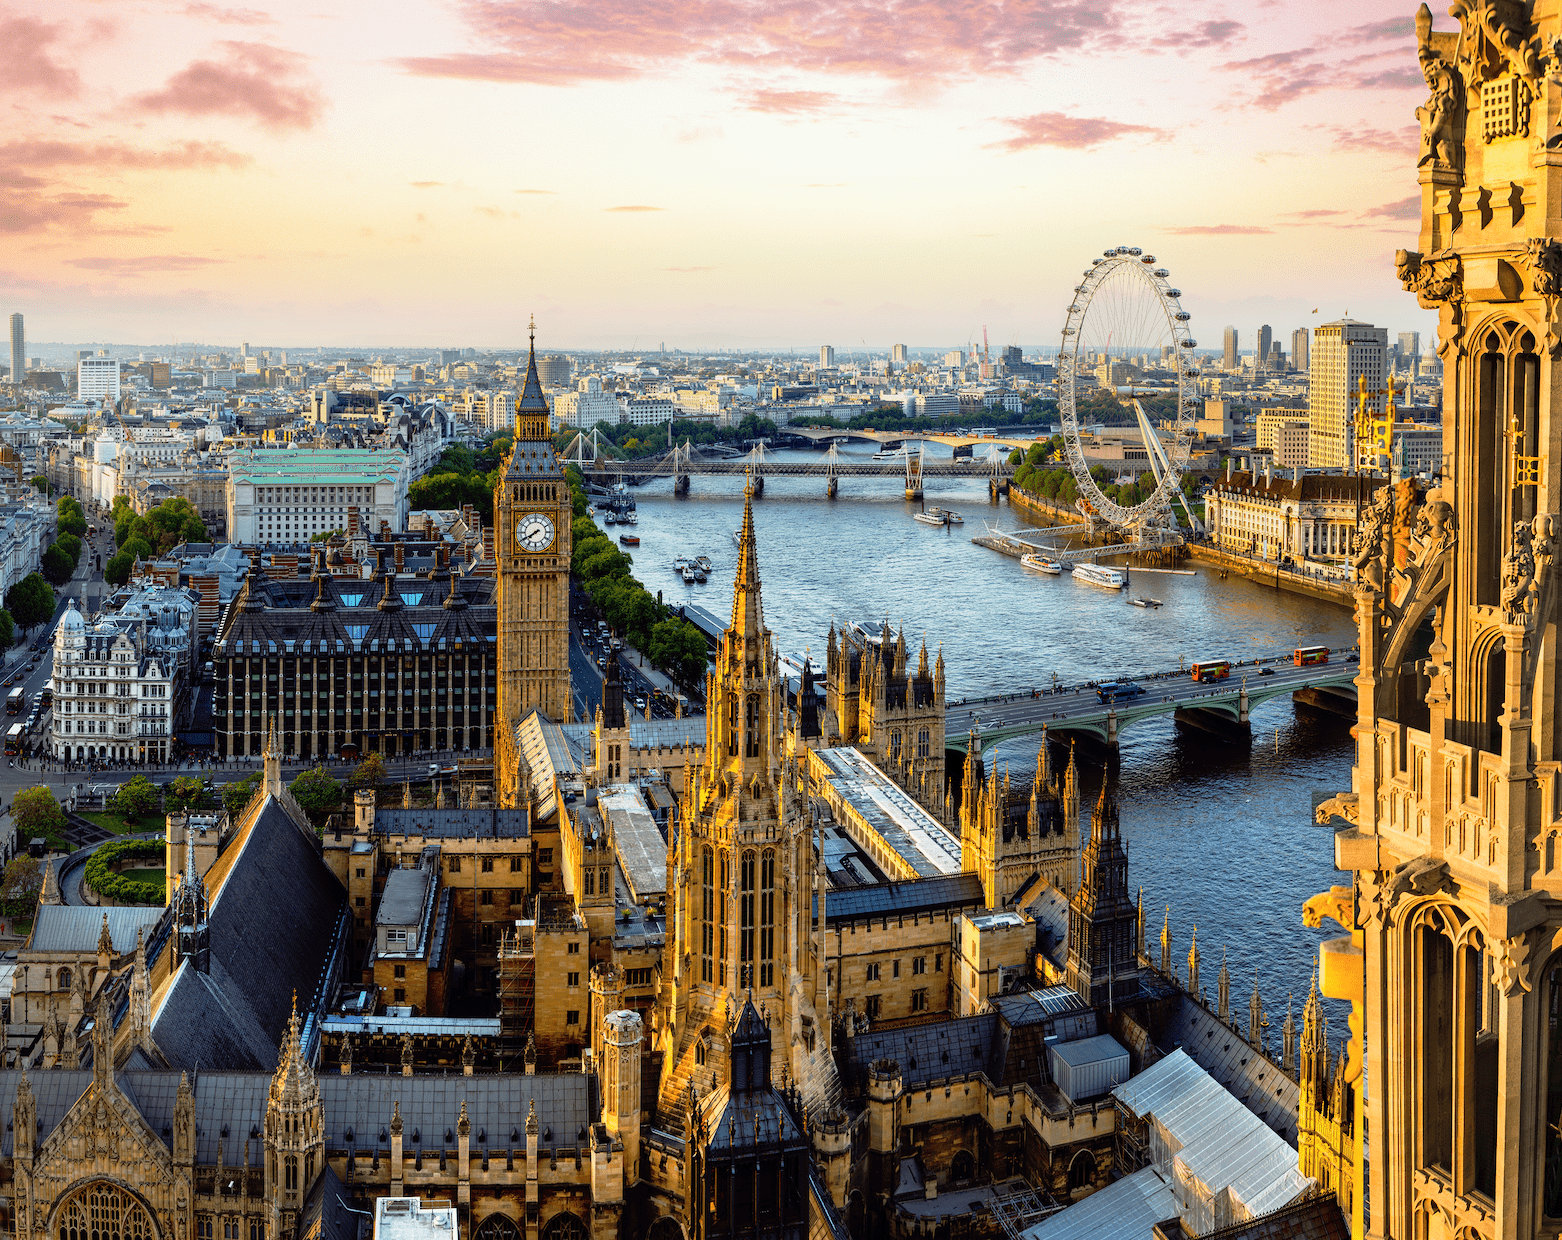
(532, 543)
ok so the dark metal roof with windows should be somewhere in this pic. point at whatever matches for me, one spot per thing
(930, 1052)
(474, 822)
(954, 892)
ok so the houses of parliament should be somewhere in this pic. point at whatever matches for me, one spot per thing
(788, 971)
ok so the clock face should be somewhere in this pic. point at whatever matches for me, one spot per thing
(534, 532)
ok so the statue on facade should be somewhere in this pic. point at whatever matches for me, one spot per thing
(1518, 575)
(1437, 113)
(1370, 550)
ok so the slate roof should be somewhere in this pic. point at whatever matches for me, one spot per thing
(276, 612)
(954, 892)
(229, 1106)
(277, 917)
(930, 1052)
(75, 928)
(325, 1215)
(759, 1117)
(479, 822)
(1317, 1218)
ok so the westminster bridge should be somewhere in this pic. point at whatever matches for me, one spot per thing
(1221, 706)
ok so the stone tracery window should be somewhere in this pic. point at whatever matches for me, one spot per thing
(101, 1211)
(564, 1226)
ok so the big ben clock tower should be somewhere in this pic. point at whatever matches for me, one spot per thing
(532, 514)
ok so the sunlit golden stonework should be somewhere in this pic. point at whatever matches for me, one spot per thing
(1452, 963)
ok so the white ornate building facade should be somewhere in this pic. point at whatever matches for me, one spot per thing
(113, 691)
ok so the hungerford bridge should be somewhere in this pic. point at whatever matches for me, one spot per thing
(1220, 706)
(683, 461)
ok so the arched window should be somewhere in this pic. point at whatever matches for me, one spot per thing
(746, 914)
(1081, 1171)
(564, 1226)
(962, 1167)
(290, 1173)
(497, 1227)
(732, 725)
(65, 979)
(767, 917)
(707, 914)
(922, 743)
(894, 747)
(103, 1212)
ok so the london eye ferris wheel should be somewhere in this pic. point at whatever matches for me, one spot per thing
(1126, 335)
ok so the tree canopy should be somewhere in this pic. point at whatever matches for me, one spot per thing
(237, 795)
(189, 792)
(30, 601)
(157, 532)
(21, 885)
(136, 797)
(370, 773)
(317, 794)
(37, 814)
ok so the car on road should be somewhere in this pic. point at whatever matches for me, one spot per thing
(639, 703)
(1266, 671)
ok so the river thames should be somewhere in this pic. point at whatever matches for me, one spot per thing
(1219, 830)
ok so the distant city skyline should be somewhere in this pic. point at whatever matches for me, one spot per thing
(224, 172)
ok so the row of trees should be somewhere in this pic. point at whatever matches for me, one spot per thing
(1041, 472)
(461, 476)
(150, 534)
(60, 558)
(670, 642)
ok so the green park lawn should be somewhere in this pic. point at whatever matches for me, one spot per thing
(116, 825)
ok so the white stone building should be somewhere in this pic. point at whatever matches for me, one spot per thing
(1278, 517)
(282, 496)
(113, 694)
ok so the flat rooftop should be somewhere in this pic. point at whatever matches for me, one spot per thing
(901, 837)
(407, 1218)
(642, 850)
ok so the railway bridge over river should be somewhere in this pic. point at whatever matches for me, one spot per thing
(684, 462)
(1221, 706)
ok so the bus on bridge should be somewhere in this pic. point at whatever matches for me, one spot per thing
(1304, 655)
(1206, 670)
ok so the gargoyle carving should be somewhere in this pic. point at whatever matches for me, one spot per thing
(1346, 805)
(1420, 876)
(1437, 280)
(1510, 965)
(1337, 903)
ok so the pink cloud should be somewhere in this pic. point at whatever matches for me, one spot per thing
(27, 63)
(26, 206)
(255, 81)
(1217, 230)
(1362, 136)
(1402, 209)
(792, 102)
(634, 207)
(1205, 34)
(540, 41)
(1315, 214)
(231, 17)
(49, 153)
(149, 262)
(1075, 133)
(1281, 77)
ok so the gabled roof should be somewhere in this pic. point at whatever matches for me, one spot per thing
(73, 928)
(275, 918)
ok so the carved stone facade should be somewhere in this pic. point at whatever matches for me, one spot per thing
(1453, 960)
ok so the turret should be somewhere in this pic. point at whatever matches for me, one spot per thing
(1193, 963)
(1255, 1016)
(1223, 990)
(294, 1133)
(619, 1070)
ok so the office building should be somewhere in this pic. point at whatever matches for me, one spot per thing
(18, 350)
(97, 378)
(1261, 355)
(1344, 352)
(1301, 359)
(418, 652)
(584, 407)
(1269, 420)
(826, 356)
(114, 694)
(554, 369)
(1229, 360)
(282, 496)
(897, 353)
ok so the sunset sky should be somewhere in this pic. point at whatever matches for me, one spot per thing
(734, 173)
